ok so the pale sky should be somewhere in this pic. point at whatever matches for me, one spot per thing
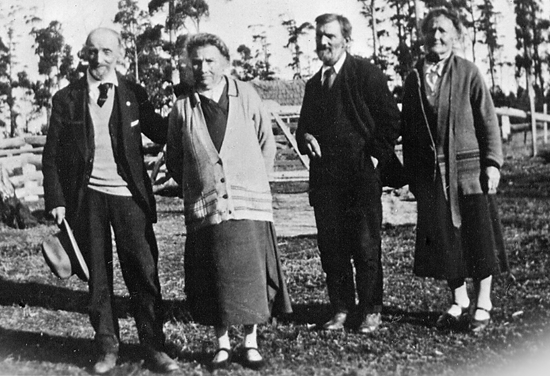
(231, 20)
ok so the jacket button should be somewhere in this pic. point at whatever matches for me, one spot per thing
(225, 196)
(222, 180)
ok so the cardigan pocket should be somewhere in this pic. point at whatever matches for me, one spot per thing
(202, 208)
(469, 168)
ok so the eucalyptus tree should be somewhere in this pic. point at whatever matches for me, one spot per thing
(6, 82)
(155, 66)
(531, 35)
(13, 22)
(54, 63)
(133, 21)
(409, 48)
(372, 11)
(179, 12)
(293, 44)
(487, 24)
(262, 54)
(245, 68)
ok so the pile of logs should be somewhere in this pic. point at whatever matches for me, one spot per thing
(20, 178)
(21, 160)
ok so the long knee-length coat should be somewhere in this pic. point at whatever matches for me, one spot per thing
(447, 159)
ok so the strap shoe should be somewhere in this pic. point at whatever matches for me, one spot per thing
(223, 363)
(477, 326)
(105, 363)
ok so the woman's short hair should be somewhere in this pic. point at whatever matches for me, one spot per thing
(449, 13)
(206, 39)
(345, 25)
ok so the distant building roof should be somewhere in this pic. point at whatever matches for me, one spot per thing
(284, 92)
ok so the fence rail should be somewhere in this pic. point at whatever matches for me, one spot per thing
(540, 119)
(21, 157)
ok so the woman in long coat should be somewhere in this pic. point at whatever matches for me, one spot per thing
(452, 152)
(220, 149)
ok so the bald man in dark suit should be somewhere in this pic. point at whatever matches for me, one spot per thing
(94, 175)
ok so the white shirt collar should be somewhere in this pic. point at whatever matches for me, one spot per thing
(435, 67)
(93, 83)
(337, 66)
(216, 92)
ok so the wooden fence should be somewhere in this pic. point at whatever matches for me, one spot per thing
(21, 158)
(537, 120)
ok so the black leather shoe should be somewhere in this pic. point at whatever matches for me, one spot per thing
(337, 322)
(224, 363)
(160, 362)
(105, 363)
(252, 364)
(451, 322)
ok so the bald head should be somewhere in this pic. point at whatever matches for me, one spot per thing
(103, 50)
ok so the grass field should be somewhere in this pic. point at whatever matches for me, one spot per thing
(44, 329)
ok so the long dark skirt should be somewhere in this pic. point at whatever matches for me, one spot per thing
(476, 250)
(233, 274)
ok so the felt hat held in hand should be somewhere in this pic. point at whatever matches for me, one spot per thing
(63, 255)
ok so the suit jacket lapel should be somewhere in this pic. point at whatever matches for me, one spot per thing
(125, 106)
(316, 81)
(81, 124)
(349, 79)
(352, 97)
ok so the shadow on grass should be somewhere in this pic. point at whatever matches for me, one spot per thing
(421, 318)
(42, 295)
(317, 314)
(65, 299)
(79, 352)
(41, 347)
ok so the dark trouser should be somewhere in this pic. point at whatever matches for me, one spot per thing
(348, 225)
(138, 254)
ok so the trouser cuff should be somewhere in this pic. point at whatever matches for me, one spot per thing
(106, 343)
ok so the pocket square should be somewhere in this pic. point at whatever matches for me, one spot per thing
(134, 123)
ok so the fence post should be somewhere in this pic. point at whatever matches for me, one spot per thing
(531, 92)
(506, 129)
(545, 123)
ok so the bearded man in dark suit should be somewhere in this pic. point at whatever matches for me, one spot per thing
(94, 175)
(348, 126)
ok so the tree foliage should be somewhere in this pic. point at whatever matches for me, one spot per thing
(487, 24)
(381, 51)
(55, 62)
(245, 68)
(294, 34)
(133, 21)
(530, 36)
(9, 77)
(179, 11)
(408, 49)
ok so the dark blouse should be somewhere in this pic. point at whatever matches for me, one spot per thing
(215, 115)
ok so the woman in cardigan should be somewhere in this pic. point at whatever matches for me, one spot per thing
(453, 153)
(220, 150)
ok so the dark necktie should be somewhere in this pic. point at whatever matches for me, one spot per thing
(329, 78)
(103, 90)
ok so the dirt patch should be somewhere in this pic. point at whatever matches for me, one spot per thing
(294, 216)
